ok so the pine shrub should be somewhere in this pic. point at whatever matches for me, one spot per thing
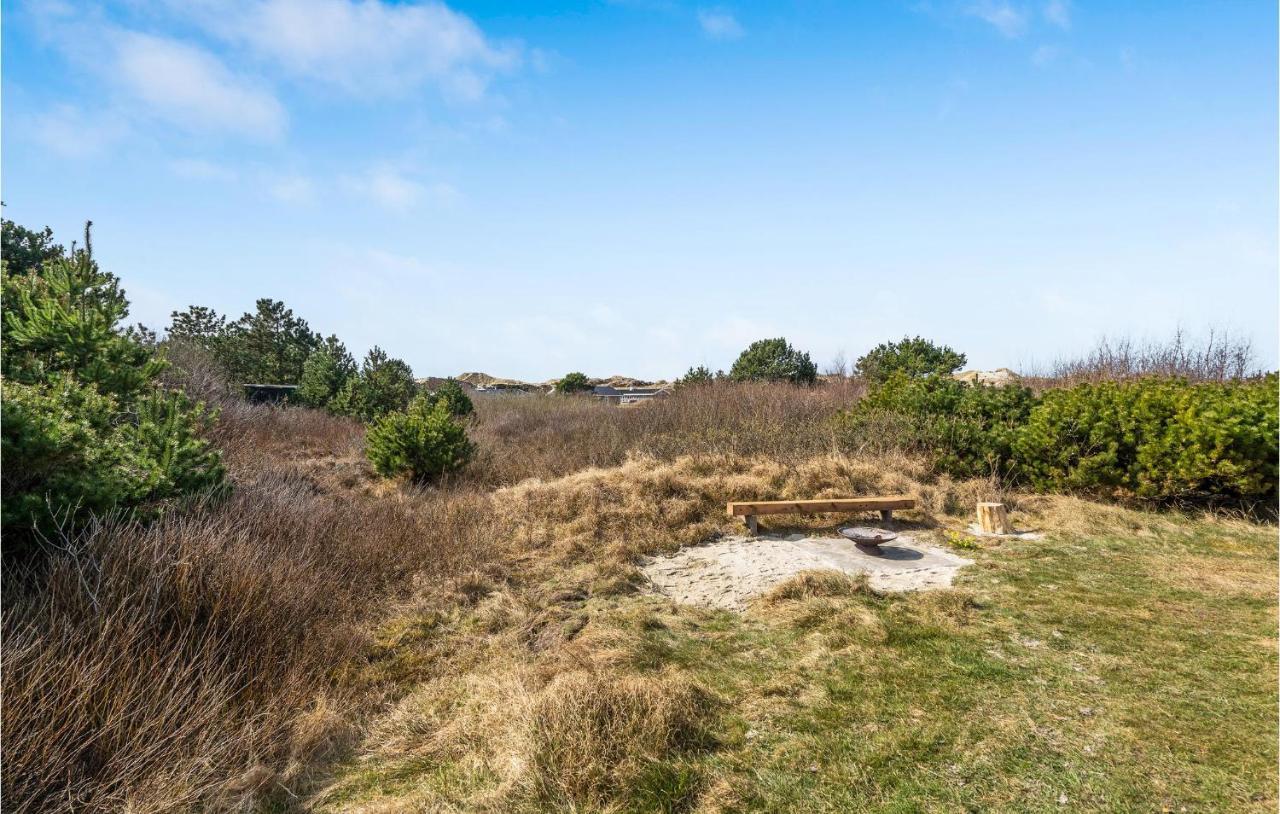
(967, 430)
(88, 428)
(423, 441)
(383, 385)
(454, 397)
(911, 357)
(773, 360)
(1157, 439)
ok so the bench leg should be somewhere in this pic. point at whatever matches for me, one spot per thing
(752, 525)
(886, 515)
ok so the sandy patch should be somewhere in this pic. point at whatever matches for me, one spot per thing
(730, 572)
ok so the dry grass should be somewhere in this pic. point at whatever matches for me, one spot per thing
(194, 661)
(486, 645)
(539, 437)
(815, 584)
(593, 738)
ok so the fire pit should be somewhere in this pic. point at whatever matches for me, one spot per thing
(868, 536)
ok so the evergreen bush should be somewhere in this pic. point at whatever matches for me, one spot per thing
(87, 427)
(454, 397)
(774, 360)
(423, 441)
(575, 382)
(384, 385)
(967, 430)
(911, 357)
(1158, 439)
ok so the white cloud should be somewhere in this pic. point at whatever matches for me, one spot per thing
(1009, 20)
(69, 132)
(1058, 12)
(361, 46)
(719, 24)
(190, 88)
(394, 190)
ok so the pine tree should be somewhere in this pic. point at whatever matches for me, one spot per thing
(325, 374)
(269, 346)
(86, 427)
(199, 326)
(384, 385)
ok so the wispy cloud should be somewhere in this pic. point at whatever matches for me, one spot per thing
(188, 87)
(394, 190)
(1058, 12)
(361, 47)
(69, 132)
(212, 66)
(1009, 20)
(720, 24)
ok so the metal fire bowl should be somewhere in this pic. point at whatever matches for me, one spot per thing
(865, 535)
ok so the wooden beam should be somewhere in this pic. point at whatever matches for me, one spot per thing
(854, 504)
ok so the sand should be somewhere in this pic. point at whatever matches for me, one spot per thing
(731, 571)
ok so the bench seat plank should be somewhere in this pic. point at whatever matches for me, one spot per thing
(854, 504)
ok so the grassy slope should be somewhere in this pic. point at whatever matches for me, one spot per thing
(1127, 662)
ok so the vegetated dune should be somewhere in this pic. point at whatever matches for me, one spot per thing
(564, 684)
(327, 640)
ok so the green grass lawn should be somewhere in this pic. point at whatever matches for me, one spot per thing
(1131, 669)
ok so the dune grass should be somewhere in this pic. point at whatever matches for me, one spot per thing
(325, 640)
(1126, 662)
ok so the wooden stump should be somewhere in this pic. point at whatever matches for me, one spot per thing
(993, 519)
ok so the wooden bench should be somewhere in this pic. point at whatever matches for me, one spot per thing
(885, 505)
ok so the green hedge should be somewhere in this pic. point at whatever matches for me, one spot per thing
(968, 431)
(1163, 439)
(1155, 439)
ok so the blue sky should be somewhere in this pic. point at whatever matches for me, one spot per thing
(636, 187)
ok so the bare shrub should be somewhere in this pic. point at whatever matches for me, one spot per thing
(1216, 357)
(196, 372)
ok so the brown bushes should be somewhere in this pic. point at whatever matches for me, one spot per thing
(532, 436)
(1217, 357)
(194, 661)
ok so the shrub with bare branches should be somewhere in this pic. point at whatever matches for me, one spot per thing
(1218, 356)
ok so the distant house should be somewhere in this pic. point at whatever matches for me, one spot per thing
(269, 393)
(503, 388)
(627, 395)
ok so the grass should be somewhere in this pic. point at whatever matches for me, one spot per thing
(325, 640)
(1126, 662)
